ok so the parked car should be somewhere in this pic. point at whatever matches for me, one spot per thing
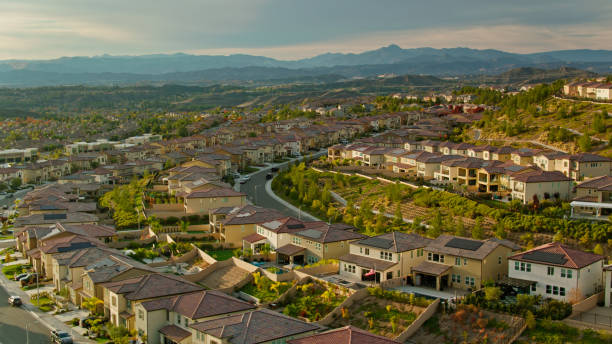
(14, 301)
(61, 337)
(245, 179)
(269, 176)
(20, 276)
(30, 278)
(274, 169)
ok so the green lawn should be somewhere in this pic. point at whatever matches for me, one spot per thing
(250, 169)
(7, 236)
(11, 270)
(221, 254)
(44, 303)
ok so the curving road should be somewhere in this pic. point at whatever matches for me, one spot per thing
(256, 188)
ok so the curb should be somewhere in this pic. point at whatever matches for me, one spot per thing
(285, 203)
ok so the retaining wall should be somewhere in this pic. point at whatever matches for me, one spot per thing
(418, 322)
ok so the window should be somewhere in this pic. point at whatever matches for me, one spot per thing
(562, 291)
(467, 280)
(533, 287)
(472, 281)
(464, 261)
(548, 289)
(457, 261)
(435, 257)
(367, 251)
(140, 314)
(429, 254)
(569, 273)
(178, 319)
(563, 273)
(555, 290)
(499, 260)
(456, 278)
(528, 267)
(167, 315)
(361, 250)
(516, 266)
(186, 322)
(386, 255)
(550, 271)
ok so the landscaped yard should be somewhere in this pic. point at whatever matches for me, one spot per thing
(11, 270)
(468, 324)
(383, 312)
(314, 300)
(221, 254)
(44, 303)
(551, 332)
(265, 289)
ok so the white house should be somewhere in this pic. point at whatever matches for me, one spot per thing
(558, 271)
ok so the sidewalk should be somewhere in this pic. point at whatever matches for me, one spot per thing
(271, 193)
(48, 320)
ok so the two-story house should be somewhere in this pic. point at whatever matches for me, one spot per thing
(462, 263)
(544, 185)
(235, 223)
(593, 198)
(167, 319)
(121, 297)
(383, 257)
(558, 271)
(584, 165)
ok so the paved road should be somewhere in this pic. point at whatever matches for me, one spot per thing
(13, 323)
(256, 189)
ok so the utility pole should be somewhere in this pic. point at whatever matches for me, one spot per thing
(37, 291)
(256, 194)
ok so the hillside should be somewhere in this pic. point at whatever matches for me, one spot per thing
(558, 123)
(530, 75)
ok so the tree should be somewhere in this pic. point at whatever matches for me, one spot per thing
(478, 231)
(118, 334)
(183, 226)
(584, 143)
(460, 228)
(15, 183)
(500, 232)
(530, 320)
(92, 304)
(598, 250)
(397, 218)
(492, 293)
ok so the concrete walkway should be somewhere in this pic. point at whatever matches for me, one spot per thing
(48, 320)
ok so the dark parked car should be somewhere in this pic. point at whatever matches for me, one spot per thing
(269, 176)
(15, 301)
(61, 337)
(274, 169)
(20, 276)
(30, 278)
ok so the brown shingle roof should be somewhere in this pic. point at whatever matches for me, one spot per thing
(366, 262)
(215, 192)
(174, 333)
(290, 249)
(398, 241)
(441, 245)
(430, 268)
(541, 176)
(254, 327)
(198, 305)
(343, 335)
(603, 183)
(152, 286)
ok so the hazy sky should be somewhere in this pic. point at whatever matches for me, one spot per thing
(287, 29)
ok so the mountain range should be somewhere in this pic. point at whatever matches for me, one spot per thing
(207, 69)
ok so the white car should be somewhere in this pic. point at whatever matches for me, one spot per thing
(245, 179)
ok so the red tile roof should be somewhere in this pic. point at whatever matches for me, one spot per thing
(575, 258)
(343, 335)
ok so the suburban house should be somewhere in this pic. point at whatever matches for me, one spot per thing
(593, 198)
(383, 257)
(235, 223)
(344, 335)
(583, 165)
(317, 241)
(201, 202)
(462, 263)
(255, 327)
(121, 297)
(167, 320)
(540, 184)
(559, 272)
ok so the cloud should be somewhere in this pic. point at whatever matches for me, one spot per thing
(294, 28)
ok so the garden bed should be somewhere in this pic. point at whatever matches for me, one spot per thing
(265, 289)
(12, 270)
(382, 312)
(469, 324)
(314, 300)
(553, 332)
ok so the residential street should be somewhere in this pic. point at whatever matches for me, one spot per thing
(256, 189)
(13, 324)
